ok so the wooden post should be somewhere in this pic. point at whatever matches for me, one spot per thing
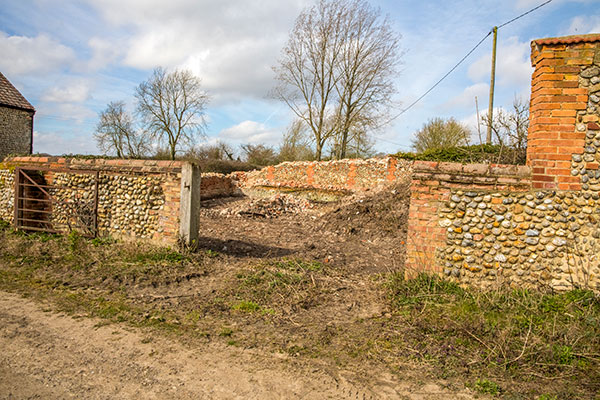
(18, 195)
(189, 206)
(488, 138)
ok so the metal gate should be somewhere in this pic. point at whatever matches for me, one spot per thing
(68, 203)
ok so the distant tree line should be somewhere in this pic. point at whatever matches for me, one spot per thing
(449, 140)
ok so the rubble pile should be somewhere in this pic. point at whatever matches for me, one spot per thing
(271, 207)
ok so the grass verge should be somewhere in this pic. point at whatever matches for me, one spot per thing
(514, 344)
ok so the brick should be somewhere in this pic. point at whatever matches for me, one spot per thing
(567, 84)
(572, 135)
(542, 178)
(568, 179)
(558, 171)
(573, 106)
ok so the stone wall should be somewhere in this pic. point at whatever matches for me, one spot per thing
(16, 127)
(7, 195)
(509, 225)
(136, 198)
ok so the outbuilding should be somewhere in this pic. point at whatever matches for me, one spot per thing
(16, 121)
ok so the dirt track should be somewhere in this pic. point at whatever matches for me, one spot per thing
(48, 355)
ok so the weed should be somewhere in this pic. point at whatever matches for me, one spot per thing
(547, 397)
(211, 253)
(226, 332)
(424, 287)
(193, 316)
(246, 306)
(563, 354)
(487, 387)
(102, 241)
(73, 240)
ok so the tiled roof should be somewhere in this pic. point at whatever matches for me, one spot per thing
(593, 37)
(10, 96)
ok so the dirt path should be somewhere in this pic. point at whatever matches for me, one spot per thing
(45, 355)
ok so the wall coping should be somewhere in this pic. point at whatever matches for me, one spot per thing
(593, 37)
(101, 164)
(499, 170)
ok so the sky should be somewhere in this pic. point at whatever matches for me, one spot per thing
(71, 58)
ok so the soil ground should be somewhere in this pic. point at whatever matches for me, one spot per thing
(46, 355)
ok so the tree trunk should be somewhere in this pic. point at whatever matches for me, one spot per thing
(318, 151)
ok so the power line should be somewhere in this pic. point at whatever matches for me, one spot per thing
(443, 77)
(391, 142)
(463, 59)
(524, 14)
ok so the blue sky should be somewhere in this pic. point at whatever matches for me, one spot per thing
(71, 58)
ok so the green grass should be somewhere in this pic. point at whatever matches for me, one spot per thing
(246, 306)
(506, 334)
(486, 387)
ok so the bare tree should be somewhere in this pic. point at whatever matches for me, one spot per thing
(366, 67)
(172, 106)
(358, 144)
(295, 145)
(308, 66)
(216, 151)
(440, 133)
(336, 69)
(509, 129)
(259, 154)
(115, 133)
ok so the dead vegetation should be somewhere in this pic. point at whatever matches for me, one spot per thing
(326, 290)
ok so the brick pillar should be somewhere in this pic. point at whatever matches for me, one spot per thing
(562, 113)
(424, 234)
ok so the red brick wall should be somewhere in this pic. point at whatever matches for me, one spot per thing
(338, 175)
(558, 101)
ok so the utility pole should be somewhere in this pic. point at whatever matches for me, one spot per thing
(478, 122)
(492, 83)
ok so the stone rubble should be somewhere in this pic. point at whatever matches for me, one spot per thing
(271, 207)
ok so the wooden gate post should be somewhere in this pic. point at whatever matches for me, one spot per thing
(189, 206)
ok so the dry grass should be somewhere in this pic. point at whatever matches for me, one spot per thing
(516, 344)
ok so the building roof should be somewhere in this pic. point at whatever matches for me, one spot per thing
(10, 96)
(593, 37)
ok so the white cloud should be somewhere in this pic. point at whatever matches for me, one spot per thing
(104, 52)
(22, 55)
(230, 44)
(56, 143)
(513, 65)
(584, 24)
(251, 132)
(69, 114)
(472, 123)
(73, 92)
(467, 98)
